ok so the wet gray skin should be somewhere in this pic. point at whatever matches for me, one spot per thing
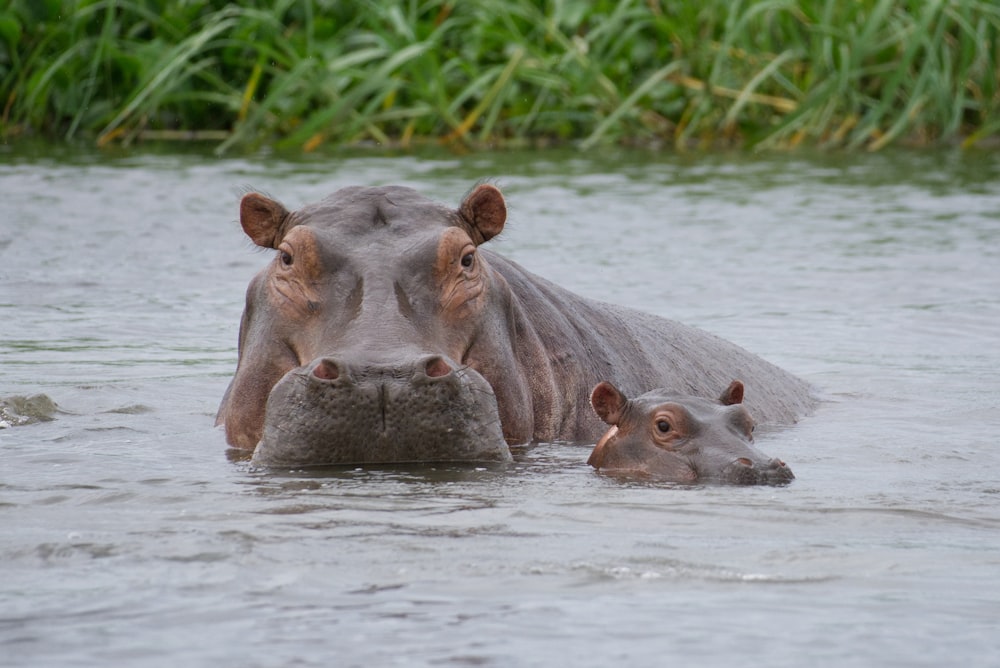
(382, 332)
(334, 413)
(677, 437)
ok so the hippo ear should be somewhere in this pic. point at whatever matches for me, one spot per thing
(608, 402)
(732, 394)
(484, 211)
(263, 219)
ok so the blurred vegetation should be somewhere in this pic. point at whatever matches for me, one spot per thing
(305, 73)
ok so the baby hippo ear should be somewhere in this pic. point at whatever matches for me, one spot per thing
(608, 402)
(732, 394)
(263, 219)
(484, 211)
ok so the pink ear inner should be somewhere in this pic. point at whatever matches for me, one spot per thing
(608, 402)
(485, 211)
(262, 219)
(732, 394)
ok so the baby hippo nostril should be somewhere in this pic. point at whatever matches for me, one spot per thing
(778, 472)
(437, 367)
(326, 369)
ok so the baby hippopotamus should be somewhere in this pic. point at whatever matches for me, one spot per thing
(682, 438)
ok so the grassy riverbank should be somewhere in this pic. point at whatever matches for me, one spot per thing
(306, 73)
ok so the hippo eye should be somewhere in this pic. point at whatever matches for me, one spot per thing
(467, 259)
(663, 426)
(286, 258)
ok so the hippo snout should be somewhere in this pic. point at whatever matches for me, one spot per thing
(336, 411)
(745, 471)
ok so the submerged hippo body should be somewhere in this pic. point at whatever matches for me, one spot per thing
(382, 332)
(677, 437)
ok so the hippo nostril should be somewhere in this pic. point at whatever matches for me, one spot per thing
(437, 367)
(778, 472)
(326, 369)
(743, 461)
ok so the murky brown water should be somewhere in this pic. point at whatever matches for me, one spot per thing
(128, 538)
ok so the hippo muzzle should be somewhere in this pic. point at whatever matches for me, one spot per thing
(745, 471)
(331, 412)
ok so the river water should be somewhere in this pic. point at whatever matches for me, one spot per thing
(128, 537)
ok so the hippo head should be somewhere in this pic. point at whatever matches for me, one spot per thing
(357, 339)
(682, 438)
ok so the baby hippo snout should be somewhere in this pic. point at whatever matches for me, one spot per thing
(743, 471)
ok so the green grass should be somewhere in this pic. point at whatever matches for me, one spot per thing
(302, 74)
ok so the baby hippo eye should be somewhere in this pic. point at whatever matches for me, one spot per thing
(286, 258)
(663, 426)
(467, 259)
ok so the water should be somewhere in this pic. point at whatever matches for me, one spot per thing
(128, 537)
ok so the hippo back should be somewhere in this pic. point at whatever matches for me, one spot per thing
(587, 341)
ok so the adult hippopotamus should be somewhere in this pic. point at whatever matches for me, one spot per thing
(681, 438)
(383, 332)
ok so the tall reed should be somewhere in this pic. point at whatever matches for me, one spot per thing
(306, 73)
